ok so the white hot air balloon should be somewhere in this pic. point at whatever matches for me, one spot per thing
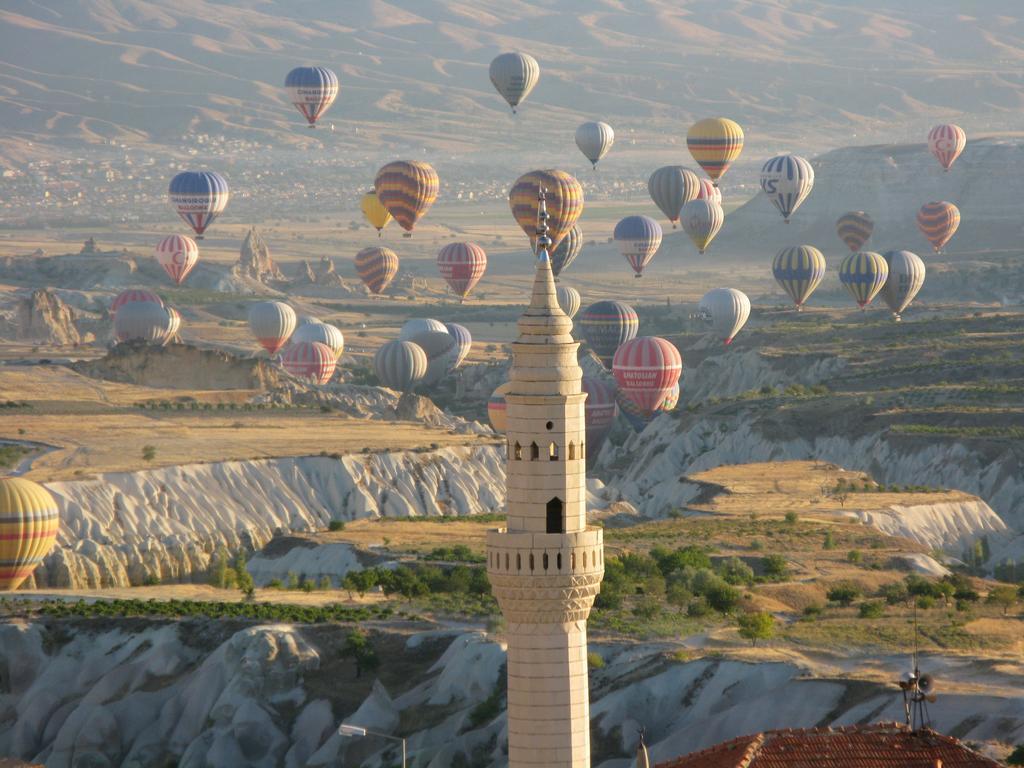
(594, 140)
(569, 299)
(725, 310)
(702, 220)
(272, 323)
(514, 75)
(418, 325)
(787, 180)
(906, 276)
(322, 333)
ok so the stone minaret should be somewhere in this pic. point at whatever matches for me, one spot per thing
(546, 567)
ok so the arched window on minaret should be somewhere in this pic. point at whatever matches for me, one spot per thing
(553, 452)
(519, 451)
(534, 451)
(555, 518)
(572, 450)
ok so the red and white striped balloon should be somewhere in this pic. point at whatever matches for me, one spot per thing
(646, 369)
(309, 360)
(133, 294)
(462, 265)
(946, 142)
(708, 191)
(177, 254)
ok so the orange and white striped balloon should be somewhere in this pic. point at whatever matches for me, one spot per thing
(177, 254)
(946, 142)
(309, 360)
(462, 265)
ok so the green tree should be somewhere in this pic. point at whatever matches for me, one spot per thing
(1003, 596)
(722, 597)
(148, 452)
(871, 609)
(854, 556)
(843, 593)
(242, 576)
(359, 648)
(829, 542)
(756, 625)
(894, 593)
(221, 574)
(1017, 756)
(735, 571)
(774, 567)
(791, 517)
(360, 581)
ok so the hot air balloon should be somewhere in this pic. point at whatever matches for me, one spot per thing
(307, 320)
(173, 325)
(646, 369)
(177, 254)
(322, 333)
(400, 365)
(671, 187)
(863, 274)
(606, 326)
(417, 325)
(599, 411)
(442, 352)
(312, 90)
(594, 140)
(563, 199)
(671, 399)
(702, 220)
(715, 143)
(854, 229)
(633, 416)
(787, 180)
(309, 360)
(407, 189)
(708, 191)
(272, 323)
(567, 250)
(29, 520)
(463, 341)
(725, 310)
(638, 238)
(569, 300)
(906, 276)
(497, 412)
(946, 142)
(938, 221)
(514, 75)
(199, 197)
(375, 212)
(377, 267)
(133, 294)
(462, 265)
(799, 270)
(142, 321)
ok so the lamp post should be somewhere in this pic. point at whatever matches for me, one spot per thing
(356, 730)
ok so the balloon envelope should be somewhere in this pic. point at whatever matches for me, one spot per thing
(638, 238)
(272, 323)
(863, 274)
(514, 75)
(323, 333)
(671, 187)
(442, 352)
(599, 411)
(29, 521)
(702, 221)
(646, 369)
(854, 229)
(569, 300)
(715, 143)
(407, 189)
(462, 265)
(607, 325)
(376, 267)
(417, 325)
(497, 408)
(142, 321)
(787, 180)
(374, 211)
(725, 310)
(309, 360)
(133, 294)
(199, 197)
(463, 341)
(906, 276)
(400, 365)
(938, 222)
(594, 140)
(799, 270)
(564, 203)
(946, 142)
(312, 90)
(567, 250)
(177, 254)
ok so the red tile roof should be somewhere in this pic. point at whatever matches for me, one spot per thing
(883, 745)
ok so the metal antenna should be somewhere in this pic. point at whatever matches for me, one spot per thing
(918, 690)
(543, 240)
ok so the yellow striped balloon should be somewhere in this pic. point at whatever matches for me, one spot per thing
(374, 212)
(864, 274)
(407, 190)
(715, 143)
(799, 270)
(377, 267)
(564, 201)
(28, 529)
(938, 221)
(854, 228)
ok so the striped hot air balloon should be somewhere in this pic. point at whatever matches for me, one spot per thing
(799, 270)
(133, 294)
(407, 189)
(377, 267)
(906, 276)
(854, 229)
(598, 411)
(497, 408)
(645, 370)
(177, 254)
(442, 352)
(563, 199)
(322, 333)
(312, 90)
(463, 341)
(29, 521)
(725, 310)
(946, 142)
(309, 360)
(173, 325)
(417, 325)
(142, 321)
(671, 187)
(715, 143)
(462, 265)
(569, 300)
(938, 222)
(400, 365)
(709, 191)
(863, 274)
(787, 180)
(567, 250)
(633, 416)
(199, 197)
(375, 212)
(514, 75)
(607, 325)
(702, 220)
(272, 323)
(594, 140)
(638, 238)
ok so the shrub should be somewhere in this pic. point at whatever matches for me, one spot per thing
(854, 556)
(336, 525)
(774, 567)
(754, 626)
(791, 517)
(813, 610)
(735, 571)
(924, 602)
(698, 607)
(1003, 596)
(872, 609)
(894, 593)
(148, 452)
(829, 542)
(722, 597)
(595, 660)
(843, 593)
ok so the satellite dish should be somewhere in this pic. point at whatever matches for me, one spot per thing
(926, 684)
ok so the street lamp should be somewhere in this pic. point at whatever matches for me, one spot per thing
(355, 730)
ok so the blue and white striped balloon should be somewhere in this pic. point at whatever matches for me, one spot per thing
(787, 180)
(638, 238)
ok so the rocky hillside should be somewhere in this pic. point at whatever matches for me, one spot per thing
(43, 318)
